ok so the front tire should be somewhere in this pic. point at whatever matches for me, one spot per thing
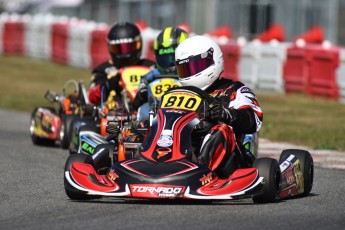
(307, 166)
(75, 127)
(268, 169)
(66, 129)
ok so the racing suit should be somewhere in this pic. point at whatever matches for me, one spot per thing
(236, 113)
(106, 77)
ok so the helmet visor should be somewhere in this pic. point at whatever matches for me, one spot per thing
(124, 48)
(195, 64)
(165, 60)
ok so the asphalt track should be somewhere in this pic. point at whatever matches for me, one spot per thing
(33, 197)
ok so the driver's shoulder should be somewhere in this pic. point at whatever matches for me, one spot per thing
(151, 74)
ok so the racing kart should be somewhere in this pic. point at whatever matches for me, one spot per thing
(164, 164)
(48, 124)
(94, 127)
(87, 134)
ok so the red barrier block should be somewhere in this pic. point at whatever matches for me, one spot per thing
(314, 35)
(98, 46)
(296, 70)
(275, 31)
(323, 64)
(13, 37)
(60, 42)
(231, 55)
(222, 31)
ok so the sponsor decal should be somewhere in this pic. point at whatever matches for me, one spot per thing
(156, 190)
(284, 166)
(167, 51)
(112, 175)
(162, 152)
(289, 178)
(87, 148)
(222, 92)
(165, 141)
(47, 121)
(245, 90)
(183, 61)
(206, 179)
(299, 176)
(175, 111)
(297, 166)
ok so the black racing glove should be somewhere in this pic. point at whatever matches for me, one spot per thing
(217, 112)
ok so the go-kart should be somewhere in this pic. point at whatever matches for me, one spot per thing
(88, 132)
(87, 135)
(48, 124)
(164, 167)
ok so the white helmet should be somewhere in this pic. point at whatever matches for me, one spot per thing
(199, 61)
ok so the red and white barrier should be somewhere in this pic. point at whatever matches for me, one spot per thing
(264, 64)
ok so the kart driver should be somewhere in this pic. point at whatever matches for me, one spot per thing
(124, 46)
(199, 62)
(164, 47)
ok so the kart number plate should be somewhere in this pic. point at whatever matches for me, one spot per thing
(158, 88)
(181, 100)
(131, 76)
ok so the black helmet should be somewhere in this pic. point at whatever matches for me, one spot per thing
(164, 47)
(124, 44)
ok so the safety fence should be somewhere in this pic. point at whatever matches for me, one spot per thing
(263, 64)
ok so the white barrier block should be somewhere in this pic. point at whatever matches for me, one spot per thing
(271, 65)
(340, 76)
(80, 42)
(249, 64)
(148, 34)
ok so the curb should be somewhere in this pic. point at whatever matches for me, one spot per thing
(322, 158)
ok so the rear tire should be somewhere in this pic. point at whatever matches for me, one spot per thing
(268, 169)
(307, 166)
(72, 192)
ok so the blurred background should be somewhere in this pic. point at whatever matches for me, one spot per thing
(246, 18)
(273, 46)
